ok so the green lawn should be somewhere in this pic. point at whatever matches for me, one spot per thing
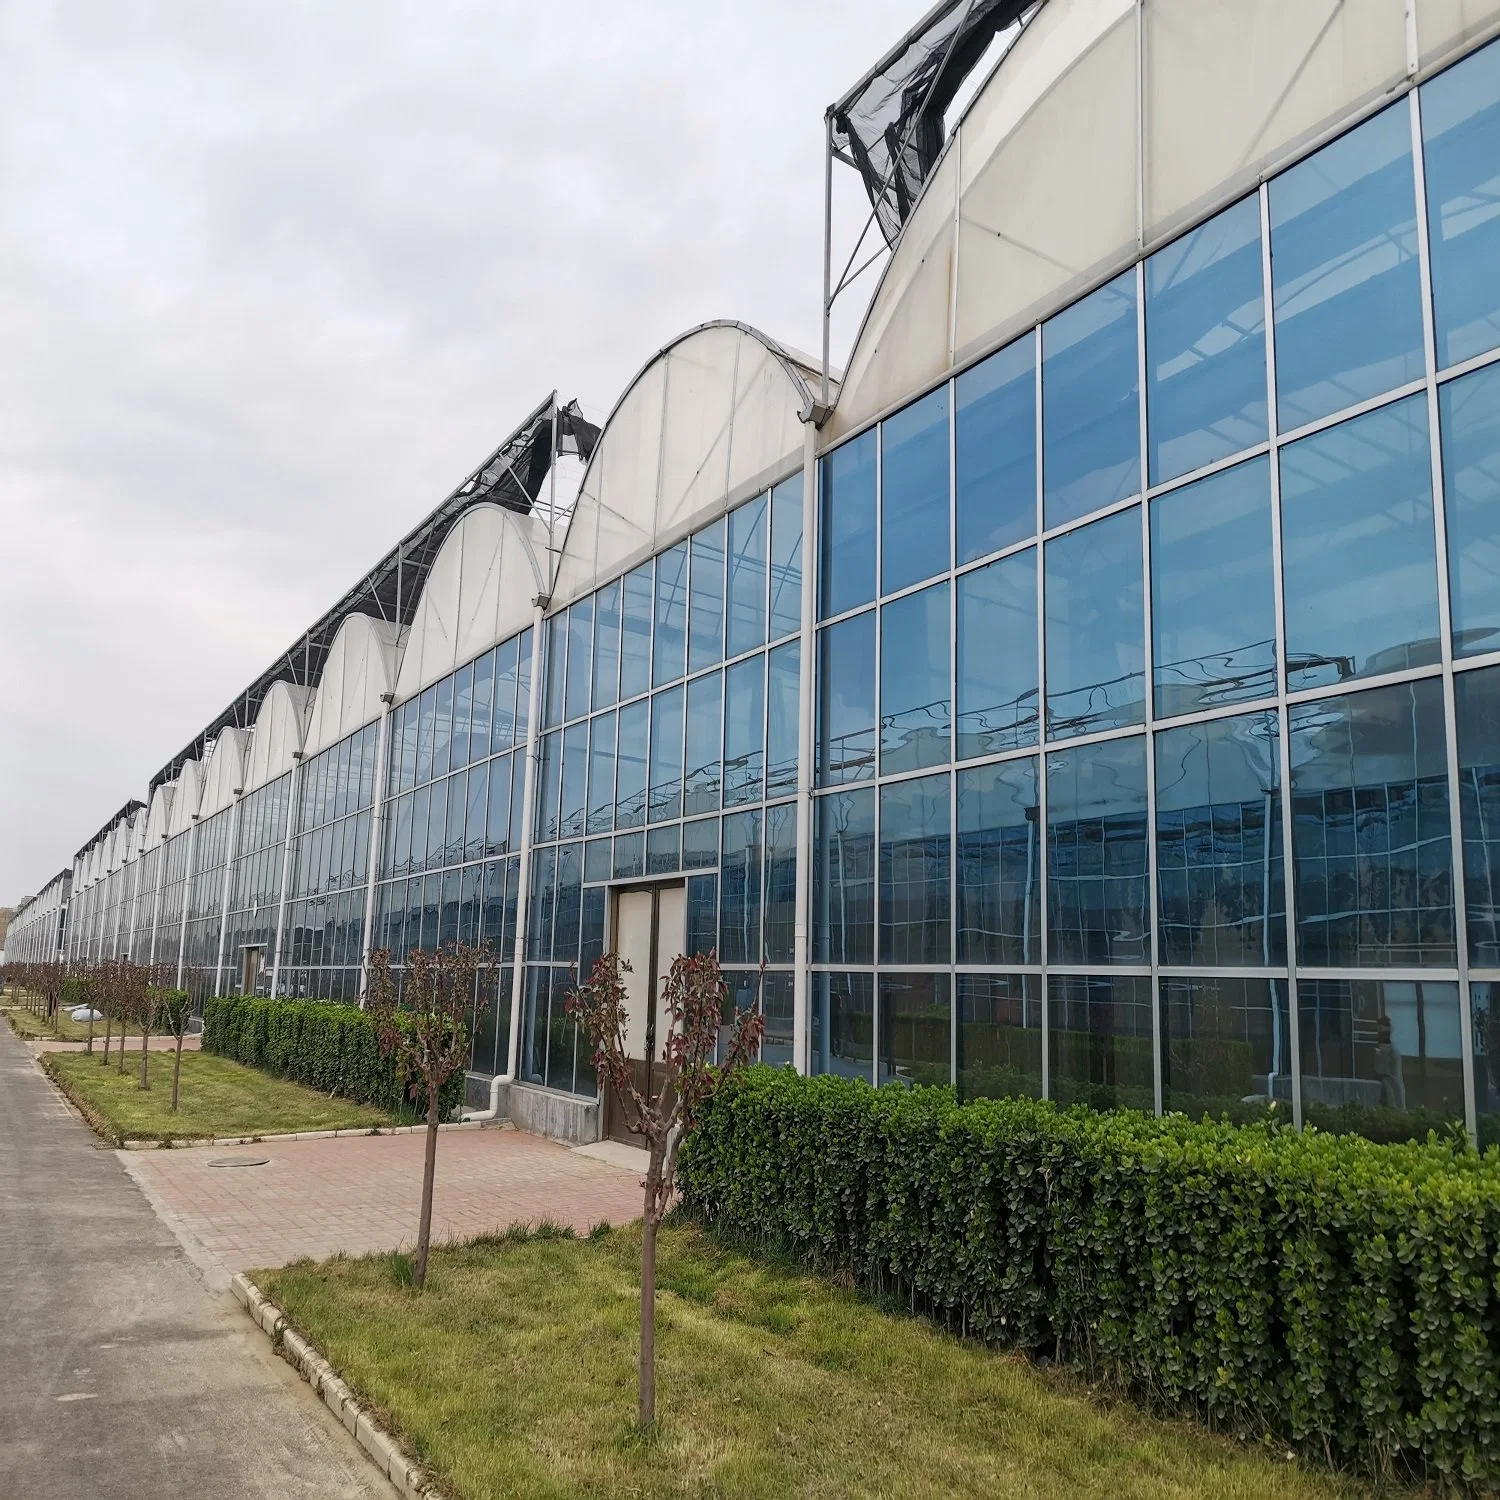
(27, 1024)
(217, 1098)
(513, 1375)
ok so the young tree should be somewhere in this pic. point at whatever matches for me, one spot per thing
(175, 1008)
(427, 1031)
(107, 992)
(695, 1000)
(49, 982)
(148, 998)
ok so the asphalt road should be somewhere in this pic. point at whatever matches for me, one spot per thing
(121, 1373)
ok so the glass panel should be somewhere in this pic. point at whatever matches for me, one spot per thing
(777, 1005)
(492, 924)
(781, 882)
(606, 645)
(747, 576)
(1461, 148)
(484, 690)
(591, 943)
(916, 1029)
(523, 685)
(419, 820)
(1225, 1048)
(1218, 843)
(702, 934)
(1344, 280)
(630, 855)
(1370, 829)
(1359, 555)
(458, 801)
(598, 860)
(744, 731)
(999, 864)
(999, 1036)
(503, 731)
(706, 604)
(997, 662)
(1091, 419)
(1381, 1058)
(670, 641)
(700, 844)
(843, 1025)
(469, 903)
(1099, 1041)
(575, 780)
(635, 633)
(448, 920)
(995, 450)
(543, 899)
(846, 701)
(569, 903)
(533, 1039)
(463, 716)
(1478, 705)
(630, 765)
(1097, 891)
(580, 653)
(705, 713)
(549, 767)
(474, 821)
(1206, 344)
(664, 850)
(740, 890)
(915, 865)
(1096, 650)
(782, 694)
(847, 556)
(844, 878)
(914, 493)
(1484, 1002)
(601, 804)
(426, 713)
(786, 557)
(517, 800)
(916, 697)
(556, 669)
(1469, 416)
(666, 755)
(1213, 604)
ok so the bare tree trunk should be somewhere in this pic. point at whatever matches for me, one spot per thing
(90, 1048)
(120, 1050)
(429, 1172)
(176, 1072)
(646, 1375)
(145, 1054)
(109, 1023)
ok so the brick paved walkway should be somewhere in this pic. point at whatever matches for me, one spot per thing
(362, 1193)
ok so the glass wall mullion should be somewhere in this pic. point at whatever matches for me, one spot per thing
(875, 902)
(1044, 903)
(953, 998)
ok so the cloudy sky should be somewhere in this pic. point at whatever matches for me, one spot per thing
(274, 275)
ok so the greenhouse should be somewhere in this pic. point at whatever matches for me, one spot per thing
(1094, 693)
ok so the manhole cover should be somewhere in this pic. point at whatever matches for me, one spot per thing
(240, 1161)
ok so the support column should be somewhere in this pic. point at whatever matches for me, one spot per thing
(807, 677)
(528, 820)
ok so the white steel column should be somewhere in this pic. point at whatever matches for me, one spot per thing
(528, 820)
(806, 680)
(377, 836)
(286, 867)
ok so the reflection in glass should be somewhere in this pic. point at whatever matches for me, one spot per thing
(635, 632)
(1344, 280)
(781, 882)
(1359, 553)
(601, 807)
(747, 576)
(1484, 1005)
(669, 642)
(844, 878)
(607, 644)
(1213, 602)
(580, 654)
(916, 1036)
(1469, 416)
(782, 702)
(503, 730)
(1096, 628)
(1218, 843)
(1091, 424)
(847, 494)
(1226, 1047)
(842, 1025)
(995, 450)
(1099, 1041)
(916, 704)
(630, 765)
(846, 701)
(777, 1005)
(1477, 696)
(575, 778)
(786, 557)
(997, 660)
(463, 717)
(702, 920)
(914, 492)
(555, 670)
(744, 731)
(598, 860)
(1370, 829)
(999, 864)
(700, 844)
(704, 717)
(630, 855)
(999, 1036)
(569, 903)
(664, 850)
(706, 604)
(666, 755)
(549, 765)
(740, 889)
(915, 899)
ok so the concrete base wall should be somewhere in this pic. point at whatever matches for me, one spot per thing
(559, 1117)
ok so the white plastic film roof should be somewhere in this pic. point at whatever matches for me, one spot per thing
(224, 773)
(189, 795)
(159, 814)
(1106, 129)
(711, 419)
(480, 591)
(278, 734)
(361, 667)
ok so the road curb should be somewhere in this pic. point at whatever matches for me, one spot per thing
(379, 1446)
(307, 1135)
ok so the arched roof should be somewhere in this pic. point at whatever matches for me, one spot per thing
(710, 419)
(480, 590)
(189, 795)
(224, 772)
(361, 667)
(159, 814)
(1106, 129)
(278, 735)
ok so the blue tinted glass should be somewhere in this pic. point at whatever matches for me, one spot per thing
(666, 755)
(598, 859)
(442, 737)
(548, 769)
(503, 730)
(580, 653)
(523, 684)
(1097, 883)
(1226, 1047)
(1370, 830)
(601, 805)
(463, 718)
(569, 903)
(484, 692)
(497, 826)
(740, 890)
(1099, 1041)
(670, 641)
(997, 665)
(517, 799)
(744, 731)
(1461, 148)
(630, 855)
(841, 1025)
(705, 712)
(606, 644)
(786, 557)
(847, 555)
(915, 895)
(702, 923)
(916, 702)
(575, 779)
(555, 672)
(781, 882)
(914, 493)
(846, 701)
(916, 1036)
(999, 864)
(844, 878)
(1206, 344)
(782, 694)
(1359, 554)
(706, 606)
(543, 899)
(1484, 1005)
(999, 1036)
(1096, 651)
(995, 450)
(1218, 843)
(1091, 419)
(1344, 278)
(664, 850)
(1469, 415)
(635, 632)
(474, 818)
(1478, 705)
(700, 844)
(747, 575)
(1213, 599)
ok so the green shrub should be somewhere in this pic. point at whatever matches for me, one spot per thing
(326, 1045)
(1328, 1292)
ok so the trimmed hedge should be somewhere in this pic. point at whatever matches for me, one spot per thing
(324, 1044)
(1336, 1295)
